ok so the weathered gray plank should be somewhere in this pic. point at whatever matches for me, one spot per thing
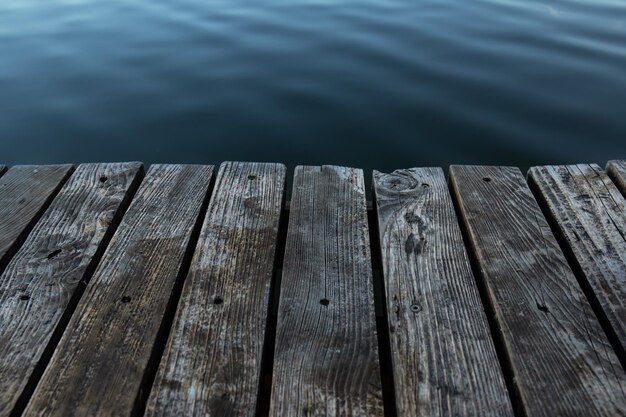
(212, 363)
(617, 172)
(326, 358)
(562, 361)
(25, 193)
(443, 357)
(99, 364)
(590, 215)
(40, 285)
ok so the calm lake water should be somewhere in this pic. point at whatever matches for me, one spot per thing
(370, 83)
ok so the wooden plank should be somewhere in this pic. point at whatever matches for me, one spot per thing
(588, 212)
(326, 355)
(617, 172)
(25, 193)
(41, 284)
(212, 363)
(561, 360)
(100, 362)
(443, 357)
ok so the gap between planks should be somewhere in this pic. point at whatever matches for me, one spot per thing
(215, 350)
(26, 193)
(561, 360)
(587, 215)
(50, 270)
(100, 365)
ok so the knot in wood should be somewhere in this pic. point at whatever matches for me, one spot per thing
(400, 182)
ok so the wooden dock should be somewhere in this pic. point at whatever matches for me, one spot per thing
(193, 291)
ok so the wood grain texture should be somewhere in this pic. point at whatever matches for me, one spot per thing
(617, 172)
(25, 193)
(326, 356)
(560, 358)
(590, 215)
(443, 357)
(212, 363)
(99, 364)
(41, 283)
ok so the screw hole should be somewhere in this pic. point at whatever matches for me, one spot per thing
(416, 308)
(24, 298)
(252, 177)
(543, 307)
(103, 179)
(487, 179)
(218, 300)
(126, 299)
(324, 302)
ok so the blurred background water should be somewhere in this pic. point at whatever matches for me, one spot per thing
(377, 84)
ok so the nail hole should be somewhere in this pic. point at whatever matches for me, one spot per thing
(24, 297)
(218, 300)
(416, 308)
(103, 179)
(252, 177)
(487, 179)
(53, 254)
(126, 299)
(324, 302)
(543, 307)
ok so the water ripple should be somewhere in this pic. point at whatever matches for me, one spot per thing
(372, 83)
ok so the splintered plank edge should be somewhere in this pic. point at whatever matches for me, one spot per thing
(617, 171)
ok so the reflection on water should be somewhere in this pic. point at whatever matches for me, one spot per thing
(369, 83)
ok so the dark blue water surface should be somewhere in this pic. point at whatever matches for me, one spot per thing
(368, 83)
